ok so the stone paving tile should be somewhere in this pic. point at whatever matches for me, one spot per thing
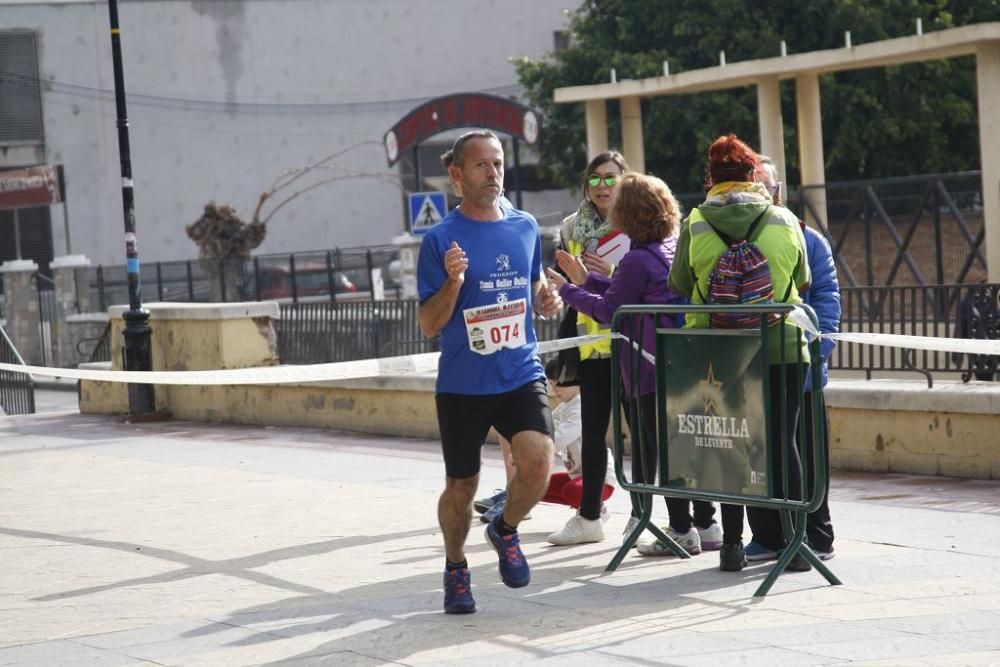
(590, 658)
(878, 609)
(966, 659)
(338, 658)
(959, 622)
(66, 653)
(606, 647)
(748, 657)
(945, 585)
(804, 635)
(906, 648)
(206, 643)
(980, 601)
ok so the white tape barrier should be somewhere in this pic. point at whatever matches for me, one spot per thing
(344, 370)
(959, 345)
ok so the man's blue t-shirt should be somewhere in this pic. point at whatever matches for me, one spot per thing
(488, 345)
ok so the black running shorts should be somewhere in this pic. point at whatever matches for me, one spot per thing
(465, 420)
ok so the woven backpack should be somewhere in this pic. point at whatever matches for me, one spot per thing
(741, 276)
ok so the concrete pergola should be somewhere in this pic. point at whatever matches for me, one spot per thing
(981, 40)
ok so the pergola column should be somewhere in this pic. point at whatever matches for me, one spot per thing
(772, 138)
(597, 127)
(810, 131)
(988, 85)
(632, 146)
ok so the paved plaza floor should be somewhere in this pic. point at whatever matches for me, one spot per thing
(179, 543)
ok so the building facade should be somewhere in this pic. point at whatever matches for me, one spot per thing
(227, 96)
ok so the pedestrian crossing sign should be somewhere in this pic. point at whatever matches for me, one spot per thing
(426, 210)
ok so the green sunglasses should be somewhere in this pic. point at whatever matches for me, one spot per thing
(610, 180)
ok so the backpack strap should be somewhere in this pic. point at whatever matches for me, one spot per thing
(752, 234)
(751, 230)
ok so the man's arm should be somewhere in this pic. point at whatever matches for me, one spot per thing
(824, 292)
(435, 312)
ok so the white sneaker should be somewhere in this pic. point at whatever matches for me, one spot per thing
(633, 521)
(711, 537)
(578, 531)
(605, 514)
(689, 541)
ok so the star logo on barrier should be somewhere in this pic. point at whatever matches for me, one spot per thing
(710, 391)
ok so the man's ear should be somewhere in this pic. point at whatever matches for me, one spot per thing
(455, 178)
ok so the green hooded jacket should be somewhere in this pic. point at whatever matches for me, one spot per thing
(732, 208)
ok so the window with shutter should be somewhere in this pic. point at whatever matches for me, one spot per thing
(20, 92)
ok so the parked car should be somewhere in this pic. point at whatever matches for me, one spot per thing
(275, 282)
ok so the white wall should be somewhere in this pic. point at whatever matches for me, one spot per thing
(224, 95)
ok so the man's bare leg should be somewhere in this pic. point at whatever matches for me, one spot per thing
(532, 454)
(508, 458)
(455, 515)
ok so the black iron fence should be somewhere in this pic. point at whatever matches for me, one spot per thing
(326, 332)
(97, 348)
(921, 230)
(327, 275)
(17, 390)
(46, 316)
(941, 311)
(311, 333)
(915, 230)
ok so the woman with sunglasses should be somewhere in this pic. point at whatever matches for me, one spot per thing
(648, 212)
(586, 242)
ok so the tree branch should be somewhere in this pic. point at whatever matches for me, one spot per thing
(325, 181)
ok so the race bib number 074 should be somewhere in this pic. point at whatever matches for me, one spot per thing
(491, 328)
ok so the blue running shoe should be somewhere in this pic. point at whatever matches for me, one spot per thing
(483, 505)
(493, 512)
(756, 552)
(458, 592)
(513, 567)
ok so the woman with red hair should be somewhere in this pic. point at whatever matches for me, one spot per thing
(738, 208)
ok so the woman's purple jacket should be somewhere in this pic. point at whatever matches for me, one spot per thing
(641, 278)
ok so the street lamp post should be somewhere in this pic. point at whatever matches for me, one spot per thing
(138, 353)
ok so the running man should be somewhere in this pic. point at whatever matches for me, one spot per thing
(479, 278)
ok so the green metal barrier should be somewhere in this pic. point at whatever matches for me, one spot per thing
(714, 419)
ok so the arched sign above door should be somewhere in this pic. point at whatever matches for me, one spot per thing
(472, 110)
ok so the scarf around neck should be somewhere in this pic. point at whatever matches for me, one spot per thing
(588, 224)
(737, 192)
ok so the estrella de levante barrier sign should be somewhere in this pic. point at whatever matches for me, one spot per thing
(713, 410)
